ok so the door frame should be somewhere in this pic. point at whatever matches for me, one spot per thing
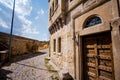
(81, 56)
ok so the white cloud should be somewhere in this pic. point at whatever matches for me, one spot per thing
(40, 13)
(6, 14)
(22, 7)
(29, 30)
(22, 10)
(45, 37)
(17, 34)
(3, 24)
(24, 21)
(7, 3)
(37, 17)
(26, 27)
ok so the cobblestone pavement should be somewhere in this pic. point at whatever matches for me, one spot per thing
(28, 67)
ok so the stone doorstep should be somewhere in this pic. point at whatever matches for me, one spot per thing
(4, 51)
(62, 73)
(57, 69)
(48, 57)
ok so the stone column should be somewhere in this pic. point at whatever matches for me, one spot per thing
(116, 46)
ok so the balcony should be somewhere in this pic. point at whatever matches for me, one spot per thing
(56, 11)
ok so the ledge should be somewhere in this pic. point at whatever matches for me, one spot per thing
(54, 53)
(4, 52)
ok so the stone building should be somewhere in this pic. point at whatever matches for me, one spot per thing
(85, 38)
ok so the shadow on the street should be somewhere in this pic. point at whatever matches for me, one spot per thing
(32, 66)
(3, 74)
(24, 57)
(27, 56)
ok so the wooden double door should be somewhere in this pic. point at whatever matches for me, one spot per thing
(97, 57)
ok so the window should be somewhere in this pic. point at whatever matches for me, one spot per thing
(54, 45)
(59, 44)
(94, 20)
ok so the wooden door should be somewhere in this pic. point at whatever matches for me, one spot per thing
(97, 57)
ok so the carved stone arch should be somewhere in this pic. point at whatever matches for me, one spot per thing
(60, 22)
(51, 29)
(92, 21)
(57, 23)
(55, 27)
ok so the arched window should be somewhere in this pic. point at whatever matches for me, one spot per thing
(91, 21)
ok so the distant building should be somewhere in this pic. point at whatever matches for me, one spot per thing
(85, 38)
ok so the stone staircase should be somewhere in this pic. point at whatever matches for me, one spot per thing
(3, 53)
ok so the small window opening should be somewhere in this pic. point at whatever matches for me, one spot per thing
(54, 45)
(93, 21)
(59, 44)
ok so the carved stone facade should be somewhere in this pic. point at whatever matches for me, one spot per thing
(89, 32)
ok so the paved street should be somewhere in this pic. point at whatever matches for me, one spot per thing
(27, 67)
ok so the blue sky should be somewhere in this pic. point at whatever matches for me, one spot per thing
(31, 18)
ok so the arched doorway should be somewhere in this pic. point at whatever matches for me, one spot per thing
(97, 53)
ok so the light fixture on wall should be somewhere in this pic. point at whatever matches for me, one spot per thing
(75, 38)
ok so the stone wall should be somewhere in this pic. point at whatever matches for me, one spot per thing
(22, 45)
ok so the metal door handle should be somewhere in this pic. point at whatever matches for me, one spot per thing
(96, 56)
